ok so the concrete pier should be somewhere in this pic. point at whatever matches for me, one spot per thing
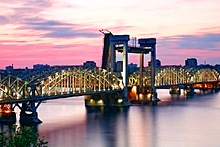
(106, 99)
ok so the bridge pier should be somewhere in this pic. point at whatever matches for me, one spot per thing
(189, 90)
(151, 43)
(175, 90)
(29, 113)
(106, 99)
(215, 87)
(141, 96)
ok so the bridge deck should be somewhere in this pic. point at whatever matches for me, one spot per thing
(44, 98)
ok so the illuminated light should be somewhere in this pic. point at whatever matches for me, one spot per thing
(18, 95)
(5, 108)
(134, 89)
(149, 95)
(7, 111)
(28, 112)
(140, 96)
(91, 101)
(121, 85)
(120, 101)
(100, 102)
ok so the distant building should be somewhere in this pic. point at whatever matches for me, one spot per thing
(89, 64)
(158, 63)
(217, 66)
(9, 69)
(2, 71)
(40, 66)
(191, 62)
(132, 68)
(119, 66)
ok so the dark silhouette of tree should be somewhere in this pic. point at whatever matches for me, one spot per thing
(22, 137)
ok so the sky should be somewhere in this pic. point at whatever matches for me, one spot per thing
(66, 32)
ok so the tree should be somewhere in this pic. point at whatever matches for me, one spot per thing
(22, 137)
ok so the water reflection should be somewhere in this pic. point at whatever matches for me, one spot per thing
(176, 121)
(6, 127)
(108, 126)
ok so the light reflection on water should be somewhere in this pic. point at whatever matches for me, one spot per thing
(175, 122)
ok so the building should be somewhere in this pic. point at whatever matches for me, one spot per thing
(191, 62)
(9, 69)
(40, 66)
(2, 71)
(217, 66)
(119, 66)
(89, 64)
(158, 63)
(132, 68)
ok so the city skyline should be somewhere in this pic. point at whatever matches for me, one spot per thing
(59, 32)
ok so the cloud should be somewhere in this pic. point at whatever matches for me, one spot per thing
(70, 33)
(58, 29)
(3, 20)
(186, 42)
(175, 49)
(12, 41)
(26, 8)
(210, 29)
(27, 15)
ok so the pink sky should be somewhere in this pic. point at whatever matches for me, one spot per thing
(66, 32)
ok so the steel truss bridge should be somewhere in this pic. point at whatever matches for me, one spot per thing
(167, 76)
(28, 91)
(56, 83)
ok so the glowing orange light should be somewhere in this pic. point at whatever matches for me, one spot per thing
(5, 108)
(134, 90)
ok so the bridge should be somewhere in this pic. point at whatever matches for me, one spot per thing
(29, 91)
(175, 78)
(103, 86)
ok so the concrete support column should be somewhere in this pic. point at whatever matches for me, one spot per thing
(112, 58)
(141, 72)
(125, 70)
(32, 116)
(189, 90)
(153, 71)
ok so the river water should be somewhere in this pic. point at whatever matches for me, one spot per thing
(175, 122)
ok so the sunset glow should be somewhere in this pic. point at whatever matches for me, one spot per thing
(65, 32)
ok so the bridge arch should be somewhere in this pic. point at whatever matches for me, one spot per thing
(165, 75)
(171, 75)
(13, 88)
(77, 80)
(134, 79)
(204, 73)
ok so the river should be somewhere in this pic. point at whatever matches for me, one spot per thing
(175, 122)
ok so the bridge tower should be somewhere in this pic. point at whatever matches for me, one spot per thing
(120, 43)
(112, 96)
(106, 50)
(149, 43)
(113, 43)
